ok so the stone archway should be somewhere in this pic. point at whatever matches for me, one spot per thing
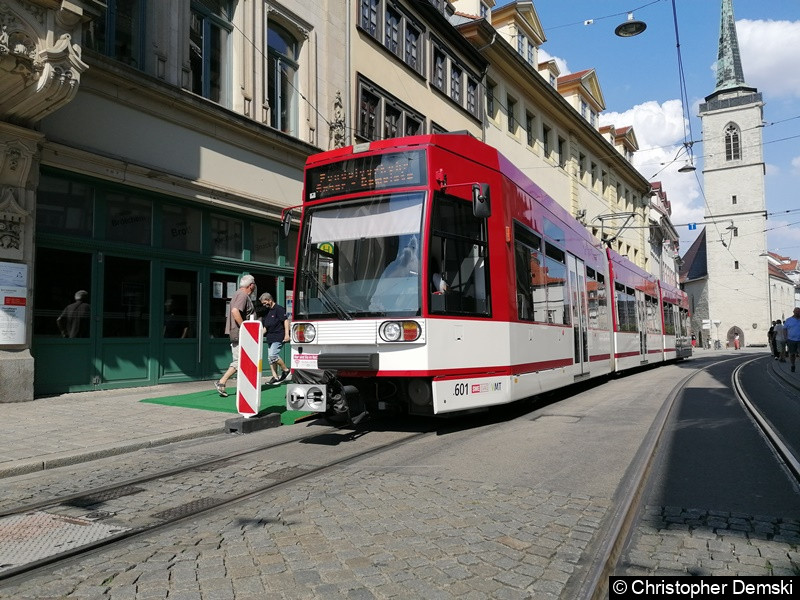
(731, 335)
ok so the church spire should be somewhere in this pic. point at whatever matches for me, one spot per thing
(729, 64)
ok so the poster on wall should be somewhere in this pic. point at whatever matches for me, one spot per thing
(13, 301)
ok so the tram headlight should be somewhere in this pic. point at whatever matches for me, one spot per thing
(303, 333)
(391, 331)
(400, 331)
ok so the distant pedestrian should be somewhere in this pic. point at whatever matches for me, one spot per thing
(736, 341)
(771, 339)
(73, 322)
(276, 326)
(792, 325)
(241, 309)
(779, 338)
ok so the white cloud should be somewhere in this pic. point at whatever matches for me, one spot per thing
(544, 56)
(659, 129)
(769, 51)
(796, 165)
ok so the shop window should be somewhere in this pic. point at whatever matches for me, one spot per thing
(265, 243)
(126, 297)
(128, 219)
(64, 207)
(119, 31)
(180, 304)
(223, 287)
(56, 289)
(208, 49)
(226, 236)
(282, 67)
(181, 227)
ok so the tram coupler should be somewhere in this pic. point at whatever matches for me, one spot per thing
(347, 402)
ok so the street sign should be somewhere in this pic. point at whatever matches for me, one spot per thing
(692, 226)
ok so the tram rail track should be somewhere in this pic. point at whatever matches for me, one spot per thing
(59, 509)
(594, 585)
(787, 456)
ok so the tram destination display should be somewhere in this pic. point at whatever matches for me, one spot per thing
(366, 173)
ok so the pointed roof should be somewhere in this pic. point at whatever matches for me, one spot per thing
(729, 64)
(695, 261)
(586, 84)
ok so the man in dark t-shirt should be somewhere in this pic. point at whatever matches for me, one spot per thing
(276, 327)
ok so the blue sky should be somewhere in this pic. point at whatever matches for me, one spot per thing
(640, 81)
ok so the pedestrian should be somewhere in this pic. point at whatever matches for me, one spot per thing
(736, 341)
(73, 322)
(792, 325)
(779, 341)
(241, 308)
(771, 340)
(694, 341)
(276, 332)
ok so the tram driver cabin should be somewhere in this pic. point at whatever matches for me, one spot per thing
(434, 277)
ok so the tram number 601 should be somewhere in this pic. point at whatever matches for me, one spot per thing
(462, 389)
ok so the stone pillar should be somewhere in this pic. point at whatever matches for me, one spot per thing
(19, 171)
(40, 69)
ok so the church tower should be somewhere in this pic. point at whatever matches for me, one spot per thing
(733, 180)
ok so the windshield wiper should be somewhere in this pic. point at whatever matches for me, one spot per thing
(332, 302)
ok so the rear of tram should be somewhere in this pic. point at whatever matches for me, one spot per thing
(368, 256)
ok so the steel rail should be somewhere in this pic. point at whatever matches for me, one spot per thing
(784, 453)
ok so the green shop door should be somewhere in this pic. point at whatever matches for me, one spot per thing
(179, 350)
(65, 321)
(127, 323)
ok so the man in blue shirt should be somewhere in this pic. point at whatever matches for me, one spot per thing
(276, 325)
(792, 325)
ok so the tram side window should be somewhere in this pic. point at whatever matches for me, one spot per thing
(598, 303)
(459, 254)
(554, 283)
(531, 304)
(653, 326)
(669, 318)
(626, 308)
(602, 302)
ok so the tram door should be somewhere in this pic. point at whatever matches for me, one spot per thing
(580, 313)
(641, 317)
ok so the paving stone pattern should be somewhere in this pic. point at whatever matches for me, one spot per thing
(354, 533)
(680, 541)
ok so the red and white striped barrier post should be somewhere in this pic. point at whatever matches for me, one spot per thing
(248, 383)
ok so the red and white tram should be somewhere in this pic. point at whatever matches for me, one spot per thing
(433, 277)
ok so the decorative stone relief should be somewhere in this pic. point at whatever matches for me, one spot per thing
(40, 75)
(337, 131)
(12, 224)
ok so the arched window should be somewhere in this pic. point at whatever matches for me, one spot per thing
(733, 149)
(282, 67)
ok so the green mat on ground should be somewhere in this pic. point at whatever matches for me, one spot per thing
(273, 400)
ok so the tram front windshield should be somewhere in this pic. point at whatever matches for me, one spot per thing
(361, 259)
